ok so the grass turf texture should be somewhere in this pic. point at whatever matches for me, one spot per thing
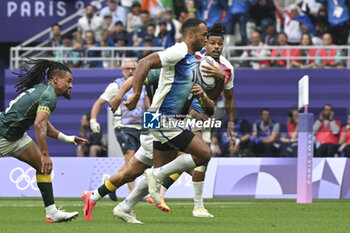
(231, 215)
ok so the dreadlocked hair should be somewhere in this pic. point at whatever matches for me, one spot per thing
(217, 30)
(38, 72)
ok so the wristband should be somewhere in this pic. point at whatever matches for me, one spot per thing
(64, 138)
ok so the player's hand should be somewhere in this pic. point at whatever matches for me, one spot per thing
(132, 102)
(198, 91)
(95, 126)
(231, 134)
(347, 128)
(115, 103)
(79, 140)
(198, 116)
(213, 71)
(46, 164)
(331, 116)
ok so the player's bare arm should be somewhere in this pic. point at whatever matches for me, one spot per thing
(150, 62)
(115, 102)
(215, 71)
(97, 107)
(231, 113)
(40, 128)
(52, 132)
(206, 103)
(94, 125)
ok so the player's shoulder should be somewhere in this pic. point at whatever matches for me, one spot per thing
(49, 91)
(225, 62)
(179, 48)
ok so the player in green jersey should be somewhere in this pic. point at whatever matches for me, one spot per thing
(38, 89)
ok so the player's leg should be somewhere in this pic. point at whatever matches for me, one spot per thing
(94, 150)
(145, 155)
(82, 150)
(185, 141)
(124, 210)
(198, 177)
(167, 182)
(127, 156)
(32, 156)
(135, 169)
(128, 139)
(141, 161)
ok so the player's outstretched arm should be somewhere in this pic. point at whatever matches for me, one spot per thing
(54, 133)
(115, 102)
(150, 62)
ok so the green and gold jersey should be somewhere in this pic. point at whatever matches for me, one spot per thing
(152, 77)
(21, 113)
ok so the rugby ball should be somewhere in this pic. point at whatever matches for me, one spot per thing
(205, 82)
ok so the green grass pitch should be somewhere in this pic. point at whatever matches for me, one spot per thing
(231, 215)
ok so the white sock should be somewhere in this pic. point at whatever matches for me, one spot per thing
(135, 196)
(50, 209)
(180, 164)
(198, 193)
(163, 190)
(95, 196)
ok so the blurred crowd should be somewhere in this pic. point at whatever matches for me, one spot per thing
(260, 23)
(266, 137)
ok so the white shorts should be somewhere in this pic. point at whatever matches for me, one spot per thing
(169, 132)
(14, 148)
(206, 133)
(145, 153)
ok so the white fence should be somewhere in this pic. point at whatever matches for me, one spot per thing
(232, 53)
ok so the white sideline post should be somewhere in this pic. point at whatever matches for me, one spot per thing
(305, 145)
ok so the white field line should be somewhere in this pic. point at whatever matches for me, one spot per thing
(38, 203)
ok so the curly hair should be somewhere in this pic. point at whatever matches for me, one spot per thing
(216, 30)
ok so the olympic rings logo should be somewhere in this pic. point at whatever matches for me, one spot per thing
(24, 179)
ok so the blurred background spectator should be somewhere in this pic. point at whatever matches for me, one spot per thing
(67, 57)
(338, 17)
(264, 139)
(133, 17)
(167, 38)
(217, 12)
(56, 39)
(283, 52)
(262, 14)
(258, 52)
(291, 139)
(89, 42)
(239, 14)
(290, 26)
(95, 147)
(270, 35)
(327, 131)
(334, 53)
(118, 12)
(344, 141)
(141, 30)
(90, 22)
(308, 54)
(118, 31)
